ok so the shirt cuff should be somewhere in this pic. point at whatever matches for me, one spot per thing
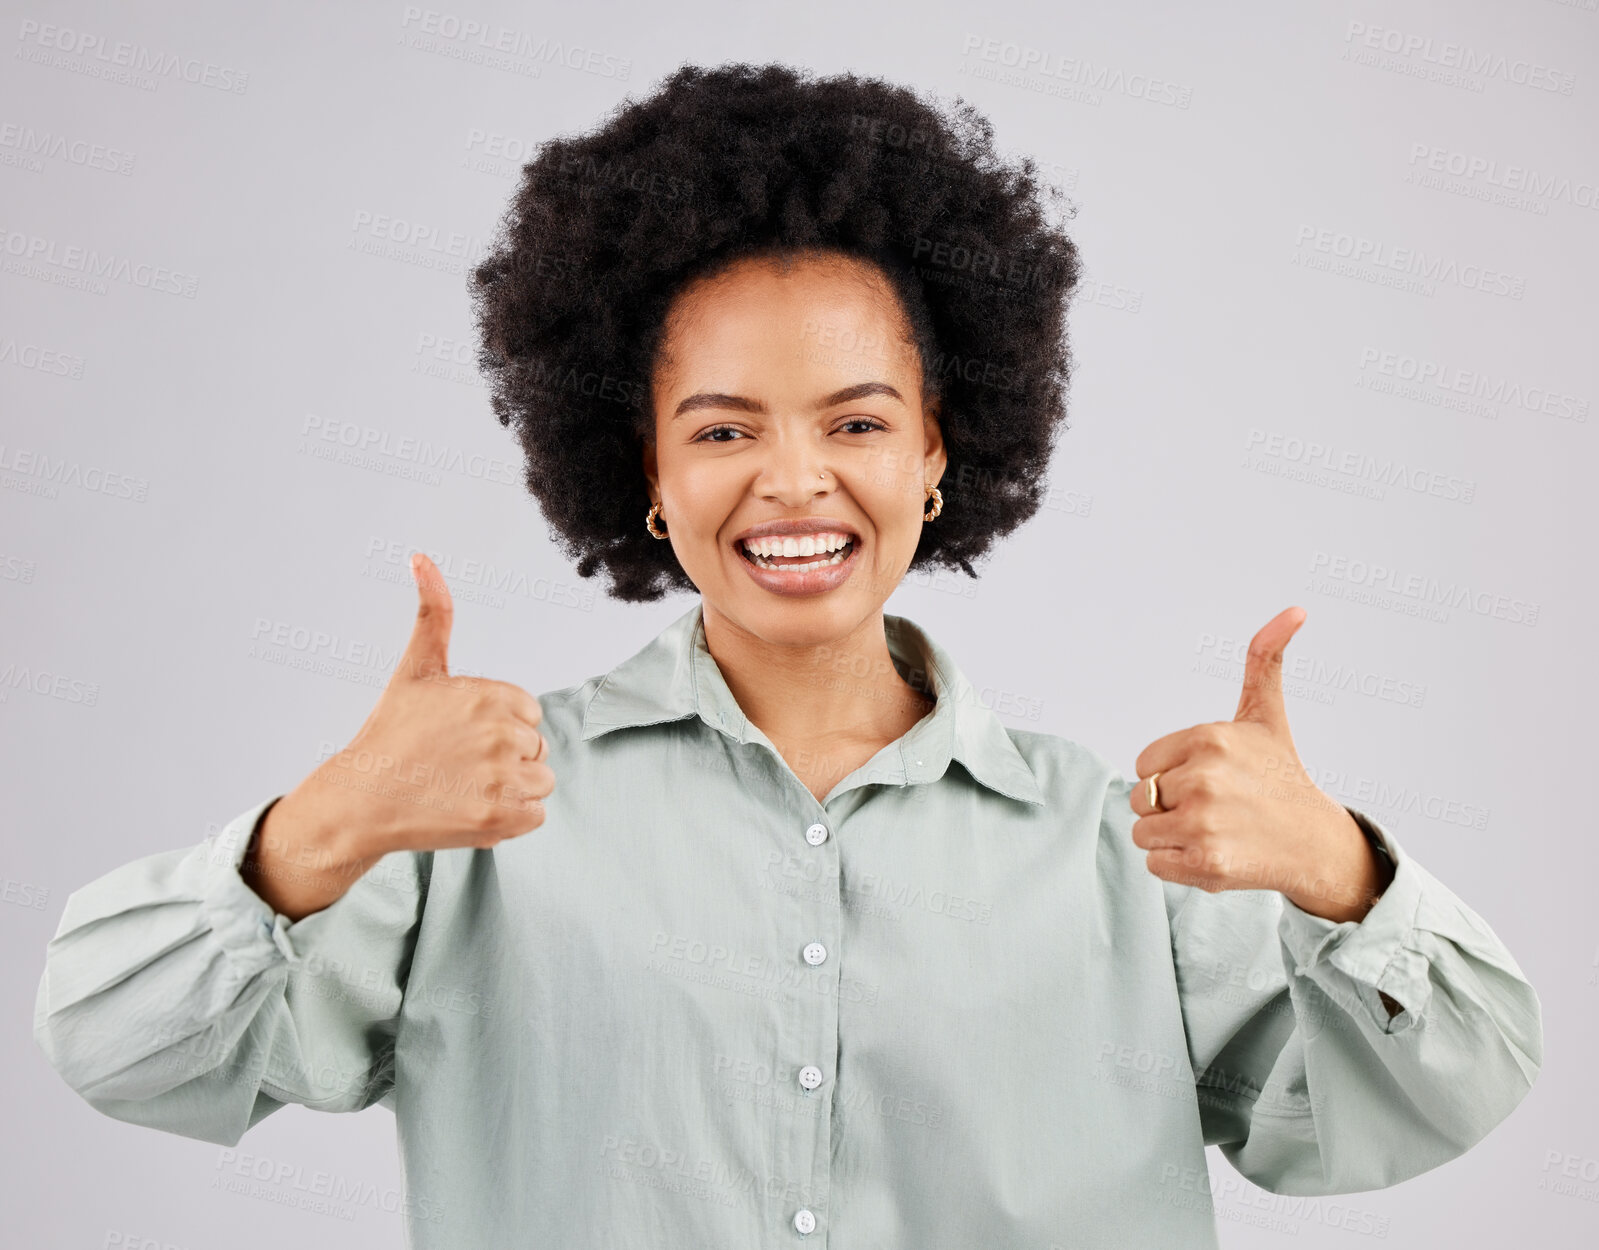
(1357, 961)
(243, 922)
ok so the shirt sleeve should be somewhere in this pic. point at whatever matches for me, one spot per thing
(1304, 1079)
(173, 996)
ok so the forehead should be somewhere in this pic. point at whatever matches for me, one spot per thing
(824, 308)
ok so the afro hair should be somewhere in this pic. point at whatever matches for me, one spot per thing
(723, 164)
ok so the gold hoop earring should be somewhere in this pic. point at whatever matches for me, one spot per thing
(938, 503)
(649, 521)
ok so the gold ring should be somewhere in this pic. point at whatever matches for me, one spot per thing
(1152, 793)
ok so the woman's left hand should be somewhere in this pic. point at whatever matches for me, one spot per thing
(1238, 811)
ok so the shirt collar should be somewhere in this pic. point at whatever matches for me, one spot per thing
(675, 676)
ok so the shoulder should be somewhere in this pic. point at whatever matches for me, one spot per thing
(1078, 783)
(1081, 783)
(1063, 765)
(563, 710)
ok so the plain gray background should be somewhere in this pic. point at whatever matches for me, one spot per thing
(217, 442)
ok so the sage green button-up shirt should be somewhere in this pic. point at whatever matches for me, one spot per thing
(948, 1006)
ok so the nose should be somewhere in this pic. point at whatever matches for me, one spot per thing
(794, 470)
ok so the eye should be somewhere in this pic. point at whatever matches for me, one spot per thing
(704, 436)
(866, 421)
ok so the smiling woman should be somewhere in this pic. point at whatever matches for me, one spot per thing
(807, 940)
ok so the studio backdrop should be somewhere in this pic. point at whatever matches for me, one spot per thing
(1334, 347)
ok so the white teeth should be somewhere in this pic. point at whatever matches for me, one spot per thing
(836, 558)
(806, 545)
(810, 544)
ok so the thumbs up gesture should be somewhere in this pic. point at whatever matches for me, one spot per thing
(462, 757)
(443, 761)
(1237, 810)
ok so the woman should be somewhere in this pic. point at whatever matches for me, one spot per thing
(807, 943)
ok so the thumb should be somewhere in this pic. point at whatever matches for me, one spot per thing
(1262, 697)
(427, 654)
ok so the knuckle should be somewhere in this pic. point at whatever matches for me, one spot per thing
(1205, 825)
(493, 736)
(519, 701)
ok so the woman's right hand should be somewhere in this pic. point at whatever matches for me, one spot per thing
(442, 762)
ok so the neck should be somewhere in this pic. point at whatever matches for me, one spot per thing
(819, 690)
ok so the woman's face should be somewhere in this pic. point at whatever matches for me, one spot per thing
(792, 396)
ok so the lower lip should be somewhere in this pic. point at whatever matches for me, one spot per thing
(814, 582)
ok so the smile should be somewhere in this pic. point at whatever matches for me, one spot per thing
(794, 553)
(800, 565)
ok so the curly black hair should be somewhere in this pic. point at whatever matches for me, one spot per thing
(723, 164)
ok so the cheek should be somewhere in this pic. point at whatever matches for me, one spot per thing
(892, 485)
(892, 502)
(702, 494)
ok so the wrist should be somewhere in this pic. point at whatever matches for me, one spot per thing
(300, 858)
(1346, 883)
(322, 821)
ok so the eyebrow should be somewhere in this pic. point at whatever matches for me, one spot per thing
(715, 399)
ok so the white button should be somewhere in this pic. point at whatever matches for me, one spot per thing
(804, 1221)
(816, 835)
(815, 953)
(810, 1076)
